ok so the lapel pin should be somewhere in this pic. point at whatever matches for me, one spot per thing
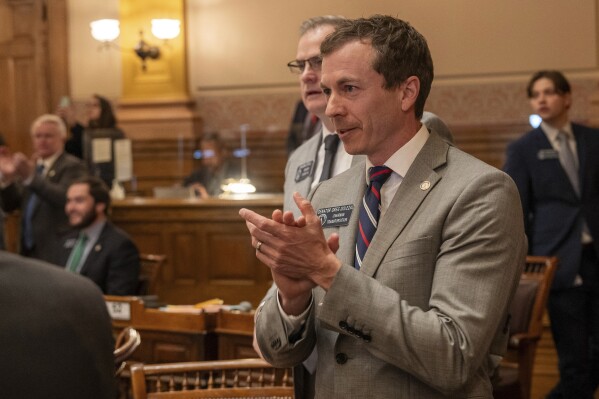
(425, 185)
(98, 248)
(51, 173)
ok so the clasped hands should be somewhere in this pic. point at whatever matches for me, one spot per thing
(296, 251)
(16, 166)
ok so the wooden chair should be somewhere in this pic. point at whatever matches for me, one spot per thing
(150, 265)
(241, 378)
(514, 375)
(126, 343)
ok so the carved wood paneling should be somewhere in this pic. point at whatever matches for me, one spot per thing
(208, 248)
(33, 64)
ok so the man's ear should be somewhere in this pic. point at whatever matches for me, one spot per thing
(101, 208)
(568, 100)
(409, 94)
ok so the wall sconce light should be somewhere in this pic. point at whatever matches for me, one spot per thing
(107, 30)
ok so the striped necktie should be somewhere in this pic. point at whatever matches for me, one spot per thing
(370, 210)
(77, 253)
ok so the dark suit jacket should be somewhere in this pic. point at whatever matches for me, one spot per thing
(56, 334)
(113, 263)
(553, 213)
(49, 218)
(296, 128)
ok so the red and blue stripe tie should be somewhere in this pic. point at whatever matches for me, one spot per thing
(370, 210)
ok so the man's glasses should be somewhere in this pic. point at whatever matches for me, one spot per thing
(298, 66)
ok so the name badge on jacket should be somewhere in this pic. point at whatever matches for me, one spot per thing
(303, 171)
(335, 216)
(547, 154)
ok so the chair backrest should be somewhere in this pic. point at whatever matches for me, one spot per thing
(126, 343)
(514, 376)
(241, 378)
(150, 265)
(531, 296)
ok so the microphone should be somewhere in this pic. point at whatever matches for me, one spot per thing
(243, 306)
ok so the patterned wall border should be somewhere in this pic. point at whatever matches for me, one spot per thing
(458, 105)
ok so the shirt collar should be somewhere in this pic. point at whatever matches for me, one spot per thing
(93, 231)
(551, 132)
(403, 158)
(325, 132)
(48, 162)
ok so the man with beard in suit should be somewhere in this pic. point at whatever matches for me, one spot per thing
(100, 250)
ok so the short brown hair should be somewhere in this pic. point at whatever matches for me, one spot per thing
(561, 84)
(97, 189)
(401, 51)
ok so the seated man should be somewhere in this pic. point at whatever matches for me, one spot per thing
(56, 337)
(208, 178)
(99, 250)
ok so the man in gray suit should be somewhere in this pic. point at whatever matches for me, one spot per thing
(412, 303)
(318, 158)
(37, 186)
(305, 166)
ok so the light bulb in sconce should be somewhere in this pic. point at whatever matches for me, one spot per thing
(105, 30)
(166, 29)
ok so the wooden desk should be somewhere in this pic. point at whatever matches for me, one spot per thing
(165, 337)
(208, 248)
(235, 332)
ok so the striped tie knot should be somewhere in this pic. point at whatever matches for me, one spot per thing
(378, 175)
(370, 211)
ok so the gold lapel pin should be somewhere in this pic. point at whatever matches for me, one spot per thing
(98, 248)
(425, 185)
(51, 173)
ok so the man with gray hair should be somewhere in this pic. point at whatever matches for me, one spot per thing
(38, 185)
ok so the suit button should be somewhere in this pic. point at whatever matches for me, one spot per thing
(341, 358)
(343, 325)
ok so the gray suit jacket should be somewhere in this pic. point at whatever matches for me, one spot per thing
(425, 317)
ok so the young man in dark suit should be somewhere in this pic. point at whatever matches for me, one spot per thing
(556, 169)
(56, 333)
(37, 186)
(99, 250)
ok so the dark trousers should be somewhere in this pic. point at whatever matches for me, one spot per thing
(574, 314)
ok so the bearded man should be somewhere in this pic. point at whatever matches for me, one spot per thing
(99, 250)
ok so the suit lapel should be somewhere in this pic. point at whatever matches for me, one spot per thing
(581, 153)
(96, 248)
(419, 181)
(312, 146)
(347, 236)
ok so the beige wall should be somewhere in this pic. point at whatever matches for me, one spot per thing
(484, 51)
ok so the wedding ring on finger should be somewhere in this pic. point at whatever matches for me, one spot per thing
(258, 246)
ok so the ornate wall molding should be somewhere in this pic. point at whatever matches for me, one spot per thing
(458, 104)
